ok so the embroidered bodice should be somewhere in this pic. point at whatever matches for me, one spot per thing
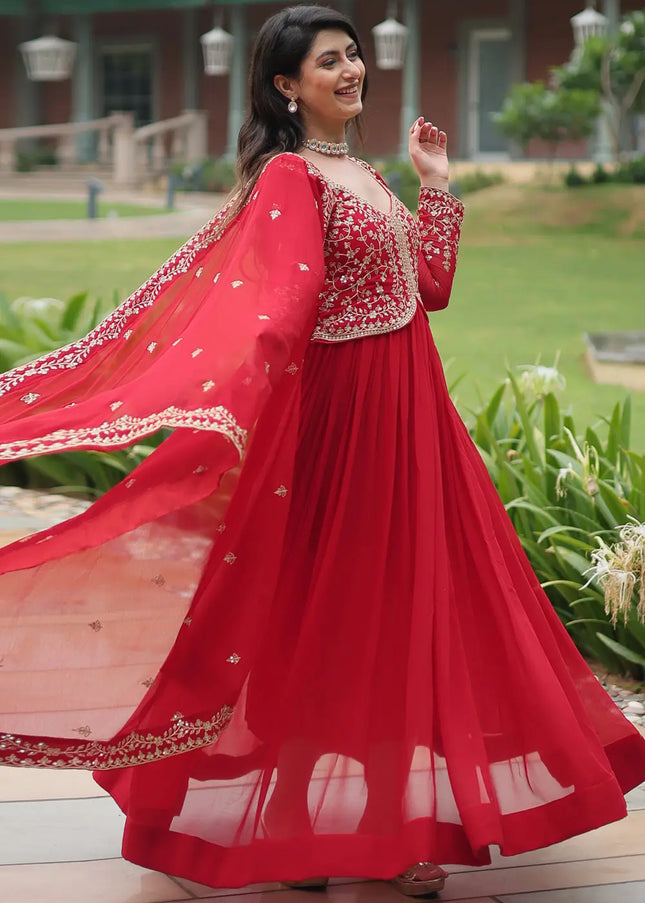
(379, 266)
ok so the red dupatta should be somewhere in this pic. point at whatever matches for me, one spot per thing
(200, 348)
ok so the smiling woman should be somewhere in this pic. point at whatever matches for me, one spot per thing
(257, 638)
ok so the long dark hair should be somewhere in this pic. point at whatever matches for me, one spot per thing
(281, 46)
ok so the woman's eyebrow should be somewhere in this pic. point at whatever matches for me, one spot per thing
(351, 46)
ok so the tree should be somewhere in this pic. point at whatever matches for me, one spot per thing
(613, 68)
(532, 110)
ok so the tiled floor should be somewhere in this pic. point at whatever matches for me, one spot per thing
(60, 839)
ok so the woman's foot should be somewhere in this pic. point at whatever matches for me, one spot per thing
(420, 879)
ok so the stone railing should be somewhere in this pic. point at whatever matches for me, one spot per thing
(131, 154)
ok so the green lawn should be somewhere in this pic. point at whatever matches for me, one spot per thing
(536, 270)
(15, 210)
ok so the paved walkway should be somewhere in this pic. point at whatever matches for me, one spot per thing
(191, 211)
(60, 833)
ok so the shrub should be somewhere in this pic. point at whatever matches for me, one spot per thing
(573, 179)
(600, 175)
(404, 182)
(632, 172)
(567, 494)
(211, 174)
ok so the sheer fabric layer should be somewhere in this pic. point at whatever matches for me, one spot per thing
(383, 677)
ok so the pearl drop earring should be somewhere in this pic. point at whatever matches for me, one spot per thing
(293, 106)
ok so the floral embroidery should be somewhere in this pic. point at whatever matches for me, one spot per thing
(292, 369)
(237, 283)
(134, 749)
(304, 267)
(30, 397)
(85, 730)
(187, 621)
(148, 682)
(216, 277)
(159, 580)
(230, 558)
(221, 528)
(234, 659)
(201, 468)
(127, 334)
(130, 483)
(116, 405)
(263, 317)
(177, 341)
(196, 352)
(199, 272)
(281, 491)
(125, 429)
(208, 385)
(274, 214)
(152, 346)
(96, 626)
(440, 218)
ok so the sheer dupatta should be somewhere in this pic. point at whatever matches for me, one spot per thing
(212, 338)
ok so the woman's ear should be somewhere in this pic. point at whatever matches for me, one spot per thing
(285, 86)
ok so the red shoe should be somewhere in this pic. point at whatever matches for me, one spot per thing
(420, 879)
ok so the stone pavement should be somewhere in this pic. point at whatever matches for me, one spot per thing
(60, 833)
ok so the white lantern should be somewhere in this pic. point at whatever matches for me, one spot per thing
(588, 24)
(48, 59)
(390, 38)
(217, 46)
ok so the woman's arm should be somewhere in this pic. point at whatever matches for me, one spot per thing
(440, 214)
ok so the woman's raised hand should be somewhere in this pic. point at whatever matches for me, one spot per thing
(429, 155)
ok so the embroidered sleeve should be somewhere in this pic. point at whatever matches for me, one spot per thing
(440, 218)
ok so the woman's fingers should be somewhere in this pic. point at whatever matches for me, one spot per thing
(427, 133)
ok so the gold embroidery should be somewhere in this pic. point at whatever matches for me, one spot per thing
(30, 397)
(230, 558)
(96, 626)
(187, 621)
(440, 218)
(234, 659)
(292, 369)
(208, 385)
(274, 214)
(201, 468)
(281, 491)
(123, 430)
(116, 405)
(237, 283)
(148, 682)
(133, 749)
(85, 730)
(159, 580)
(152, 346)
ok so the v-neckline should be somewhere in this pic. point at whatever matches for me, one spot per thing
(386, 191)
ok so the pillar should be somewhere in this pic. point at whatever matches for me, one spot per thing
(83, 84)
(190, 55)
(237, 78)
(517, 23)
(411, 87)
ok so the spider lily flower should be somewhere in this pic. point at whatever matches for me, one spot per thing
(620, 571)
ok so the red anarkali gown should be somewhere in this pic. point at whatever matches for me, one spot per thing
(301, 637)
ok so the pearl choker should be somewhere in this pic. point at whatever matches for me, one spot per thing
(331, 148)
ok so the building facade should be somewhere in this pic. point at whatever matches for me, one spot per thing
(145, 56)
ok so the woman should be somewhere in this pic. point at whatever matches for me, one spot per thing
(296, 641)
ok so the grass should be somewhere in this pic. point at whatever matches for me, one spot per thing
(538, 267)
(19, 210)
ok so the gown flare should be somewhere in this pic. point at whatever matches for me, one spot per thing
(302, 637)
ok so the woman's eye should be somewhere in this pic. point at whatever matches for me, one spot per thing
(328, 63)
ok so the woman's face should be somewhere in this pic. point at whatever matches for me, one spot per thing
(330, 83)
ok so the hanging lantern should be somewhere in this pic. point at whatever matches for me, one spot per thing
(217, 46)
(390, 38)
(588, 24)
(48, 59)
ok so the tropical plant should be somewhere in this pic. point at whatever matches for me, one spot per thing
(31, 327)
(569, 497)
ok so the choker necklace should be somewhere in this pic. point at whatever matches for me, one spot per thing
(331, 148)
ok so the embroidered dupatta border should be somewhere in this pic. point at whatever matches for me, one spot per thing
(134, 749)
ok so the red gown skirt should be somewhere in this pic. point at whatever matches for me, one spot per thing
(402, 689)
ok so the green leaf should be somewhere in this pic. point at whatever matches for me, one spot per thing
(73, 311)
(622, 651)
